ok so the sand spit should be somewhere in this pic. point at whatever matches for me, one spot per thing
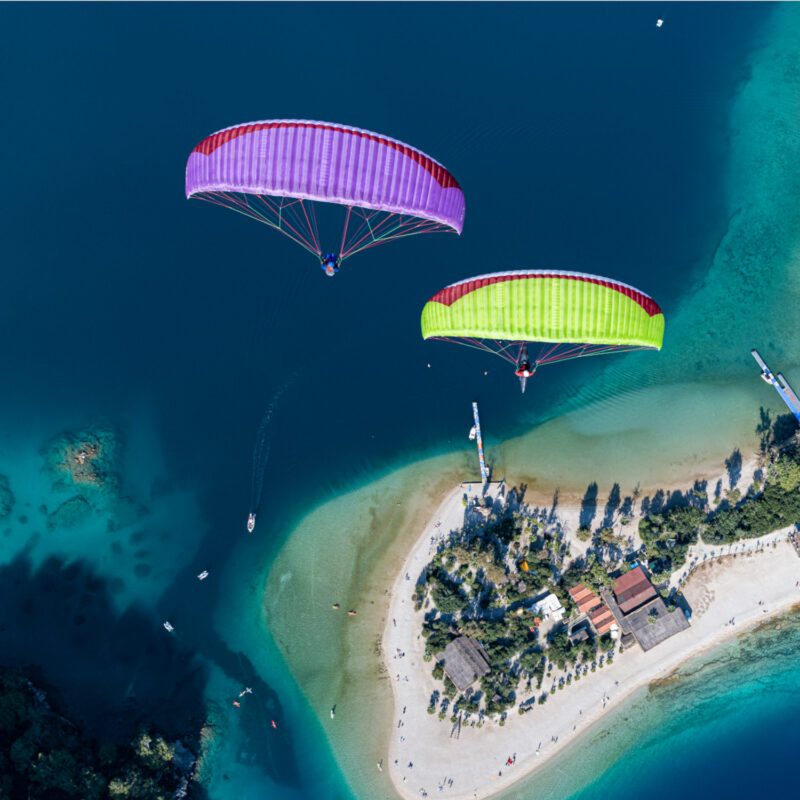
(426, 753)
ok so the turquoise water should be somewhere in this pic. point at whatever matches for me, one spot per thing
(583, 137)
(680, 739)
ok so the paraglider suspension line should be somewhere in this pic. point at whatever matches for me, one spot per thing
(548, 354)
(378, 226)
(279, 213)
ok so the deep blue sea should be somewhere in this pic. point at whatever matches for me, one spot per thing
(584, 138)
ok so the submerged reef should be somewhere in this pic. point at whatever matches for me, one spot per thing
(86, 458)
(71, 512)
(6, 498)
(43, 755)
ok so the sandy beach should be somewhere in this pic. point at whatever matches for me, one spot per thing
(426, 753)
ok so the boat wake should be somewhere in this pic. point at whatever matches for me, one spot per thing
(262, 447)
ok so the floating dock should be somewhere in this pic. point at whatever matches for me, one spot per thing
(782, 387)
(479, 440)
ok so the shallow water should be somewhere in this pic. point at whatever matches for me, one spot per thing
(177, 322)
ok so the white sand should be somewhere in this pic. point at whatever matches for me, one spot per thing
(718, 590)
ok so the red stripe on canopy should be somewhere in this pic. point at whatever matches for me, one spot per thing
(450, 294)
(439, 173)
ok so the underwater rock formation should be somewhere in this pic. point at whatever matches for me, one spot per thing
(85, 458)
(69, 513)
(6, 498)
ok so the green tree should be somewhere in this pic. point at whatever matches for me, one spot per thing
(787, 473)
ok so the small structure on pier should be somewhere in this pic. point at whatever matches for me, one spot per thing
(464, 661)
(782, 387)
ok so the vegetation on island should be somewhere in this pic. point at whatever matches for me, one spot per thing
(43, 756)
(476, 586)
(483, 580)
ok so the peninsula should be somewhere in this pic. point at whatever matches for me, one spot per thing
(513, 627)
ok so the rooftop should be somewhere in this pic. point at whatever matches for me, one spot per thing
(584, 598)
(464, 661)
(633, 590)
(648, 634)
(602, 619)
(547, 605)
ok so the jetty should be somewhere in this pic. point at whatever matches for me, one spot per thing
(479, 441)
(781, 385)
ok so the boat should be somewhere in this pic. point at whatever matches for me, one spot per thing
(203, 575)
(473, 432)
(238, 705)
(248, 690)
(380, 765)
(168, 626)
(333, 712)
(251, 522)
(659, 23)
(351, 613)
(335, 606)
(273, 723)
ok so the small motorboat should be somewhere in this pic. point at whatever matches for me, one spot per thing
(380, 766)
(248, 690)
(251, 522)
(351, 613)
(237, 704)
(273, 723)
(168, 627)
(473, 432)
(333, 712)
(659, 23)
(203, 575)
(335, 606)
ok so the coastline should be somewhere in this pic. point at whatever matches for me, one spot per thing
(722, 588)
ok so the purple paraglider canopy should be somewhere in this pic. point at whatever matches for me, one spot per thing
(276, 170)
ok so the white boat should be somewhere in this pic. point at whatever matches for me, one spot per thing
(333, 712)
(659, 23)
(251, 523)
(248, 690)
(473, 432)
(168, 626)
(203, 575)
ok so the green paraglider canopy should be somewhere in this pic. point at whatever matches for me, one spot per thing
(572, 313)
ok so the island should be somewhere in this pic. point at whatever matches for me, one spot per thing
(515, 626)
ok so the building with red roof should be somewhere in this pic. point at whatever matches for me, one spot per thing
(589, 603)
(633, 590)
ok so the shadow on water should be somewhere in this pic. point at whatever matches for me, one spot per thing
(111, 672)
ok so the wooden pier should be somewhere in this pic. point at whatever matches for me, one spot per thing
(479, 440)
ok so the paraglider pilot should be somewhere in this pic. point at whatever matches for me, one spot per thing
(330, 263)
(524, 367)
